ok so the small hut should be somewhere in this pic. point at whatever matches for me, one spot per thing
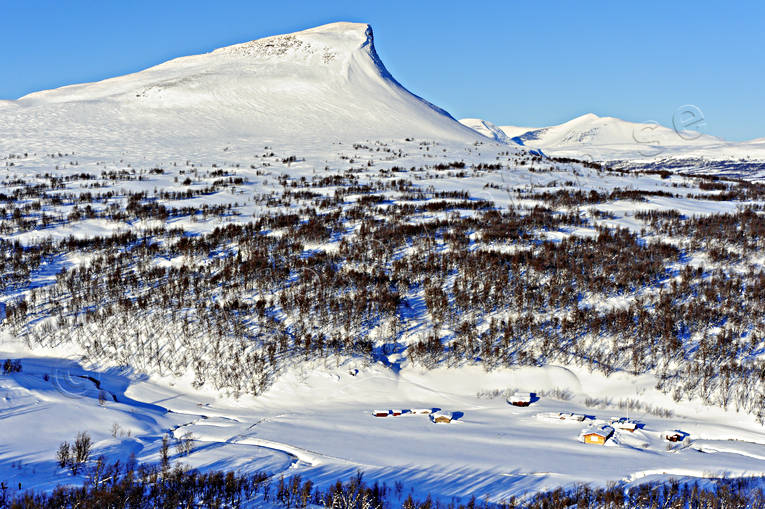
(396, 412)
(674, 435)
(551, 416)
(597, 435)
(521, 399)
(624, 423)
(560, 416)
(422, 411)
(381, 413)
(441, 417)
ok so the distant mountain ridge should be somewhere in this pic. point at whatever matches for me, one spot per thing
(632, 143)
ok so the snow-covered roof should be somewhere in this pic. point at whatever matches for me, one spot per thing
(624, 422)
(603, 430)
(520, 396)
(560, 416)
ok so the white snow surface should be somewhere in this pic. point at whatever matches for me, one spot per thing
(598, 138)
(307, 93)
(316, 86)
(316, 421)
(487, 129)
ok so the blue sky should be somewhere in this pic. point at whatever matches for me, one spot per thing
(530, 63)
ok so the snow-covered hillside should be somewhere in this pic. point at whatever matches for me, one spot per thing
(487, 129)
(318, 86)
(634, 144)
(592, 130)
(259, 246)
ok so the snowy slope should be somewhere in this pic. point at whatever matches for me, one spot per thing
(486, 128)
(499, 133)
(590, 130)
(513, 131)
(316, 86)
(611, 139)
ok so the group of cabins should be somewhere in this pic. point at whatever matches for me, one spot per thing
(594, 433)
(599, 432)
(436, 415)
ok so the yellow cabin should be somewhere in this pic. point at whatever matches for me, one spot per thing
(594, 438)
(598, 435)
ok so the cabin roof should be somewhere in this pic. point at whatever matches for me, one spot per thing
(603, 430)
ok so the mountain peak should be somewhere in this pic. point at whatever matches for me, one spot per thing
(586, 117)
(320, 84)
(331, 39)
(342, 27)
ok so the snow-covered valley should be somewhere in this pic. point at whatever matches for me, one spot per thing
(250, 252)
(317, 422)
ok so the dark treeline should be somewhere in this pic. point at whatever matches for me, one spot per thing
(132, 486)
(520, 286)
(239, 302)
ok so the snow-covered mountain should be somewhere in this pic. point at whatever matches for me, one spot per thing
(318, 85)
(591, 130)
(611, 139)
(227, 263)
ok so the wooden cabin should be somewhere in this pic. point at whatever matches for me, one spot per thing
(381, 413)
(597, 435)
(674, 436)
(422, 411)
(550, 416)
(560, 416)
(624, 423)
(396, 412)
(441, 417)
(521, 399)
